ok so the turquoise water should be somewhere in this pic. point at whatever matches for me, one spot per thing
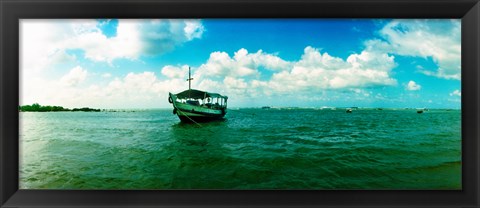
(251, 149)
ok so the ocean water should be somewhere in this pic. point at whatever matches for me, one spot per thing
(251, 149)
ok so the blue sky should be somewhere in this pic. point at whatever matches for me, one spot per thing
(256, 62)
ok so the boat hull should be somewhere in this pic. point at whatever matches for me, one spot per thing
(192, 116)
(191, 113)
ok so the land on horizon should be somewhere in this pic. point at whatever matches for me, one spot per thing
(39, 108)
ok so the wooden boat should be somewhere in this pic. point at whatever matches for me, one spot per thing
(198, 106)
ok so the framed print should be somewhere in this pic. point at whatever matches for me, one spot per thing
(239, 103)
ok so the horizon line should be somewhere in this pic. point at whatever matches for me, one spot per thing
(271, 107)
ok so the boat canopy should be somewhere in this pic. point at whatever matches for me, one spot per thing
(197, 94)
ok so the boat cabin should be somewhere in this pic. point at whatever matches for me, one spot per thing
(202, 99)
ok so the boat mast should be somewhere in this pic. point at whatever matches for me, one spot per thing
(189, 83)
(189, 79)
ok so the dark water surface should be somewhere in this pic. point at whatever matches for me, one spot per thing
(251, 149)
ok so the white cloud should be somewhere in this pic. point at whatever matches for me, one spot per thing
(363, 92)
(412, 86)
(193, 29)
(106, 75)
(98, 47)
(143, 90)
(456, 93)
(42, 40)
(322, 71)
(140, 82)
(175, 72)
(46, 43)
(437, 39)
(161, 36)
(74, 77)
(242, 64)
(239, 76)
(138, 37)
(237, 85)
(41, 44)
(134, 90)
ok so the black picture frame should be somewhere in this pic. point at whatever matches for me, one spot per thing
(13, 10)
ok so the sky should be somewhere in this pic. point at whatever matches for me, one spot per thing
(134, 63)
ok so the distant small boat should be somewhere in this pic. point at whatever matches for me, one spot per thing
(348, 110)
(421, 110)
(266, 107)
(198, 106)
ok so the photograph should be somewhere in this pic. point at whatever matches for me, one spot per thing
(240, 104)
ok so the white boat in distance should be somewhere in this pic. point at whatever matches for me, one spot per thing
(198, 106)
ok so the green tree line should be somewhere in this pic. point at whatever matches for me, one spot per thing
(39, 108)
